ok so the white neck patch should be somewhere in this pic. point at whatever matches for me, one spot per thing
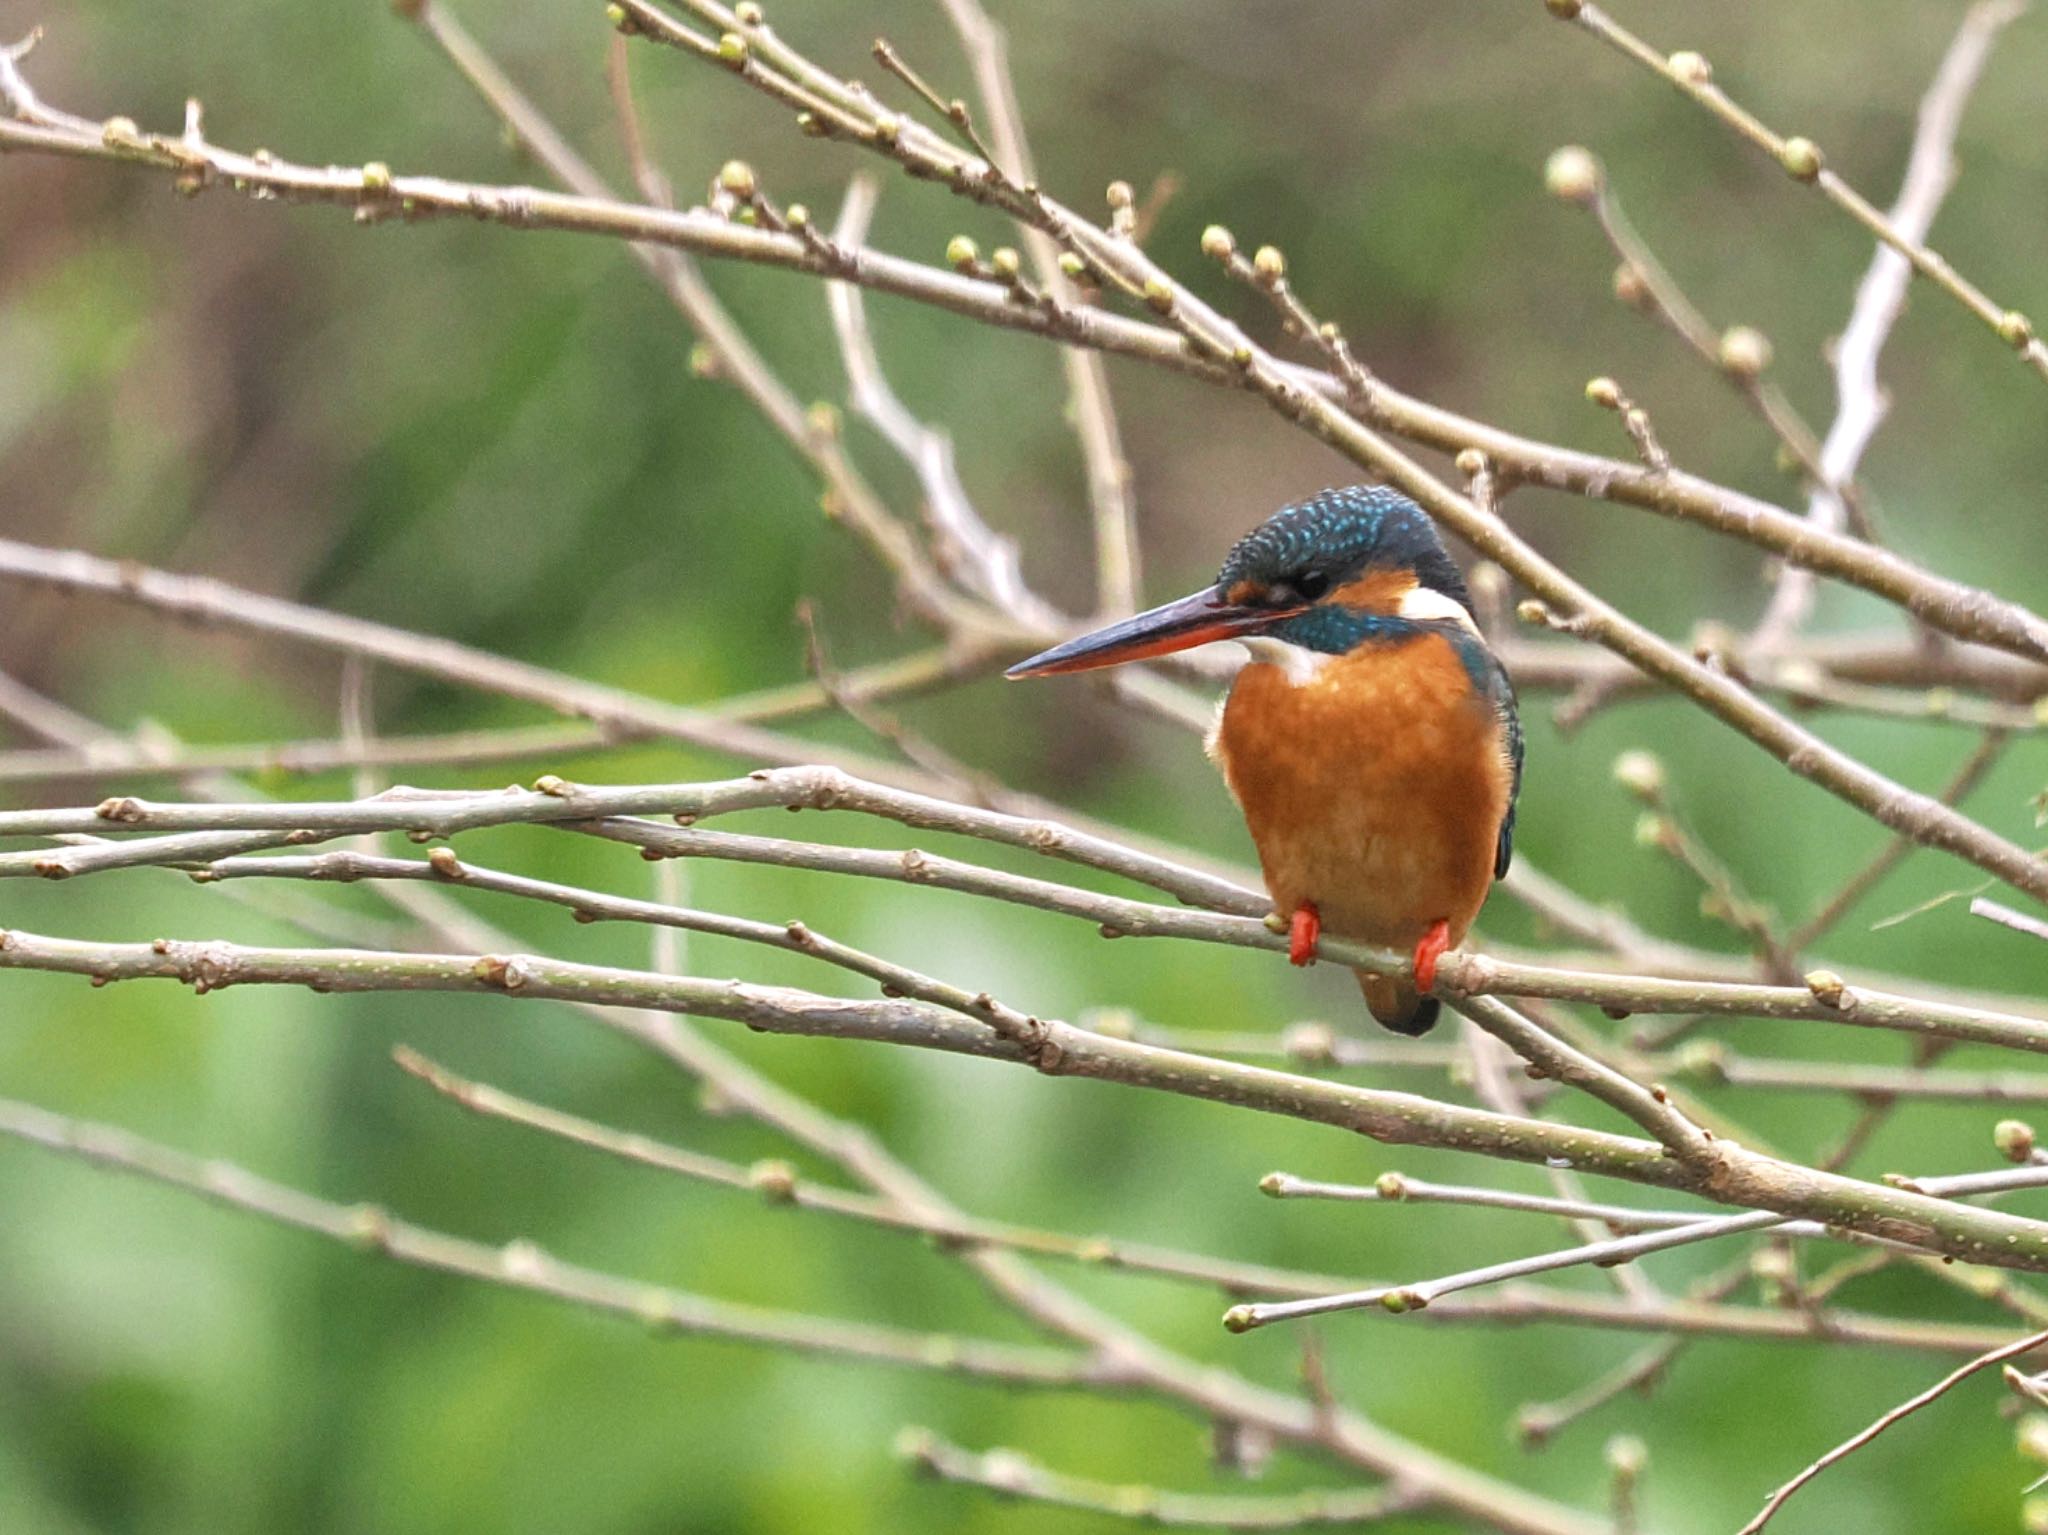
(1425, 604)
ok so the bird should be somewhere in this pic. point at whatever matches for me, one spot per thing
(1372, 739)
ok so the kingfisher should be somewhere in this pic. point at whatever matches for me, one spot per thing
(1371, 741)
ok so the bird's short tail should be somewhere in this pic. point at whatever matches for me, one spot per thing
(1397, 1004)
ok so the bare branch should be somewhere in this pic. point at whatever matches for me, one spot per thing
(1011, 1475)
(1953, 608)
(521, 1265)
(1114, 513)
(1860, 401)
(1736, 1176)
(208, 602)
(984, 561)
(1662, 1233)
(777, 1183)
(219, 831)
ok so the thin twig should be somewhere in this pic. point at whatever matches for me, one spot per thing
(521, 1265)
(1905, 1409)
(1802, 160)
(2005, 916)
(1990, 747)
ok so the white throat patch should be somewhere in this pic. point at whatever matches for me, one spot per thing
(1297, 663)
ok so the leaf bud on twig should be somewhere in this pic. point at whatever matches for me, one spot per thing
(1311, 1043)
(2014, 1139)
(1573, 173)
(1628, 1456)
(2032, 1438)
(1827, 987)
(737, 177)
(962, 254)
(1745, 351)
(1653, 830)
(1641, 773)
(1801, 158)
(1691, 67)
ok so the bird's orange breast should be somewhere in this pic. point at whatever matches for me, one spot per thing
(1374, 787)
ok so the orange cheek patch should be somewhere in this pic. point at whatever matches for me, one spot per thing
(1245, 594)
(1377, 591)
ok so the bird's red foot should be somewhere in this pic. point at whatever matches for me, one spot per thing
(1428, 950)
(1303, 933)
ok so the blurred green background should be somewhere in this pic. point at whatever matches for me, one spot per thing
(495, 437)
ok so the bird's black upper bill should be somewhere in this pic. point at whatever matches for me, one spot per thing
(1193, 620)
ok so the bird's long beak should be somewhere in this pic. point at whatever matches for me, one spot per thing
(1193, 620)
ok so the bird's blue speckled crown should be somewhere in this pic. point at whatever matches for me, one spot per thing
(1337, 535)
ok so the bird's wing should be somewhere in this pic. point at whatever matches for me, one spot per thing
(1501, 695)
(1490, 682)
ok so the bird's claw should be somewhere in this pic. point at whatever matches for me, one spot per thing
(1304, 932)
(1428, 950)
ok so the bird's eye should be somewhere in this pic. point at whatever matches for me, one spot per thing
(1311, 585)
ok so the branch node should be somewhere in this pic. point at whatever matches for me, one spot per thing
(774, 1180)
(369, 1229)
